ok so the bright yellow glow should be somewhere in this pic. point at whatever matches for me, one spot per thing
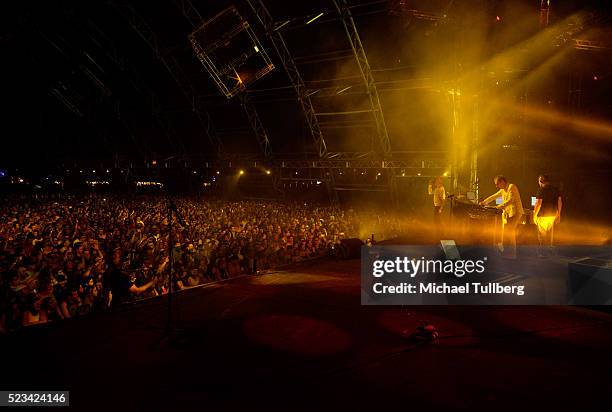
(445, 174)
(268, 172)
(241, 172)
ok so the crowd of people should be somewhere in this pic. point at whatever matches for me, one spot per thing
(61, 258)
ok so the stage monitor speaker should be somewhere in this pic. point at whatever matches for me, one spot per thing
(590, 282)
(349, 248)
(230, 51)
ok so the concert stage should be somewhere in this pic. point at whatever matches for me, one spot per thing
(298, 339)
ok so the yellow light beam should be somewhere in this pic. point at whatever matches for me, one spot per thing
(314, 18)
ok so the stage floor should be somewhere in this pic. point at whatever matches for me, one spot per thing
(299, 339)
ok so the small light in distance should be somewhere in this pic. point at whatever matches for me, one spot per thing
(445, 174)
(241, 172)
(268, 172)
(218, 172)
(498, 18)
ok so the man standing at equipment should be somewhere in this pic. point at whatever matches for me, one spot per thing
(513, 211)
(439, 197)
(546, 213)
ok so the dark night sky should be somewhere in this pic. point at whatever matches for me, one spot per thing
(87, 54)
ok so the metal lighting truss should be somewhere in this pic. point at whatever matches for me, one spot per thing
(141, 27)
(286, 58)
(260, 132)
(366, 73)
(410, 161)
(195, 18)
(299, 86)
(130, 71)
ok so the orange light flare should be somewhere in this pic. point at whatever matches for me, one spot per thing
(528, 52)
(419, 230)
(596, 128)
(504, 130)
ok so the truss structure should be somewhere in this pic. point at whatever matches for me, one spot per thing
(256, 125)
(290, 67)
(366, 73)
(418, 160)
(136, 80)
(302, 92)
(195, 18)
(141, 27)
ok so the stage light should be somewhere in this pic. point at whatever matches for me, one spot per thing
(241, 172)
(107, 171)
(314, 18)
(154, 162)
(445, 174)
(268, 172)
(497, 18)
(218, 172)
(224, 45)
(595, 78)
(93, 171)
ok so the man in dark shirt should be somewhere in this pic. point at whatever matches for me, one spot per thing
(121, 286)
(547, 212)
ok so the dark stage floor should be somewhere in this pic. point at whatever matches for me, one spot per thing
(299, 339)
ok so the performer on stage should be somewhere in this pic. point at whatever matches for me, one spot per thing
(513, 211)
(439, 197)
(546, 213)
